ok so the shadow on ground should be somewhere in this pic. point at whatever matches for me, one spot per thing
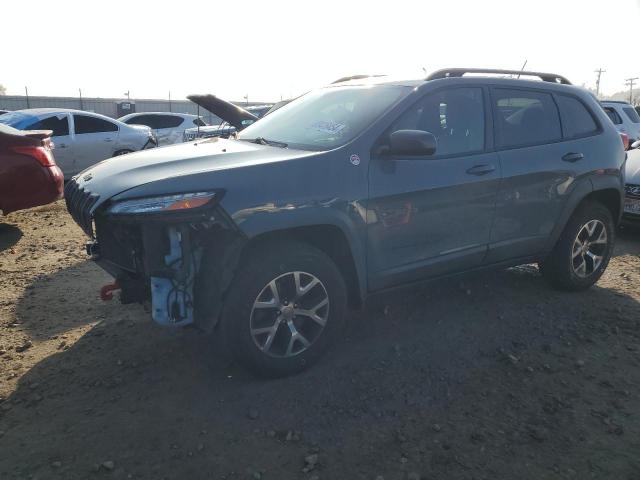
(495, 377)
(9, 236)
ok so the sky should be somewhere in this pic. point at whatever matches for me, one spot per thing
(275, 48)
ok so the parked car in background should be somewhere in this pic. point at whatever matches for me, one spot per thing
(352, 189)
(632, 188)
(624, 117)
(234, 118)
(29, 175)
(168, 127)
(82, 138)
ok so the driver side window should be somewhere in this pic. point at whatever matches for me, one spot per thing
(454, 116)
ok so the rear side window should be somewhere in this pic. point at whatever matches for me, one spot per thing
(169, 121)
(87, 124)
(632, 114)
(613, 115)
(59, 125)
(576, 119)
(525, 117)
(198, 122)
(147, 120)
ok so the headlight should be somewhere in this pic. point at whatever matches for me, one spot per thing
(181, 202)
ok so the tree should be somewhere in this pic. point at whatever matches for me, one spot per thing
(3, 90)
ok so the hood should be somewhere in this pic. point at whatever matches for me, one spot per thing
(119, 174)
(632, 171)
(227, 111)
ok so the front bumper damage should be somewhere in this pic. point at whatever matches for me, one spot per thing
(180, 263)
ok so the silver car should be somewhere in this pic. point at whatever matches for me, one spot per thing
(168, 127)
(624, 117)
(81, 138)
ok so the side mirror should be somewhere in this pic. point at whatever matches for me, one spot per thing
(412, 142)
(635, 144)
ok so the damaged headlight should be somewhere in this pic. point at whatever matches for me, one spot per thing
(168, 203)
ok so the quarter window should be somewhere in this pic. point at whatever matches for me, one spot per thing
(86, 124)
(198, 122)
(576, 119)
(525, 117)
(455, 117)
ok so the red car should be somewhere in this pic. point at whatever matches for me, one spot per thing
(29, 175)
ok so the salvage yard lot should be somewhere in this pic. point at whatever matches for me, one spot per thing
(494, 376)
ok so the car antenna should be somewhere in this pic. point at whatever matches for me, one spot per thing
(522, 69)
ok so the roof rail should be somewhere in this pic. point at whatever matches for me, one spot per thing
(459, 72)
(354, 77)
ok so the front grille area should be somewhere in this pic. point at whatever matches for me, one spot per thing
(632, 191)
(79, 203)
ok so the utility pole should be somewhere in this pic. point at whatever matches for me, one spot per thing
(600, 71)
(630, 82)
(127, 94)
(169, 100)
(80, 92)
(26, 92)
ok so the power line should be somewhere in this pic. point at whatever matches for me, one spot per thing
(630, 82)
(600, 71)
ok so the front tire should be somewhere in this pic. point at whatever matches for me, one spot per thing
(284, 308)
(583, 251)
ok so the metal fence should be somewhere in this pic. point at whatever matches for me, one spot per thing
(108, 106)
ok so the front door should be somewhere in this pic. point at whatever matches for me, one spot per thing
(432, 215)
(63, 147)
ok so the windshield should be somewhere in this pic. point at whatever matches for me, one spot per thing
(326, 118)
(18, 120)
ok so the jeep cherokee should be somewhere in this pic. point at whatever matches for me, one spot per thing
(266, 238)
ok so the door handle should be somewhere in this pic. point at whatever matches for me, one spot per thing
(481, 169)
(60, 145)
(108, 140)
(572, 157)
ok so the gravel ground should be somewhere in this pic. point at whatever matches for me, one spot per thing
(495, 376)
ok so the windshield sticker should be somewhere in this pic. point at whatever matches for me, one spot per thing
(328, 126)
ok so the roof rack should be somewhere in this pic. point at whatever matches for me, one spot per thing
(355, 77)
(459, 72)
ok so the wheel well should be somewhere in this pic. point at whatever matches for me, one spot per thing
(326, 238)
(609, 197)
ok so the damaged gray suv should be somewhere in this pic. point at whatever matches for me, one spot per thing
(265, 239)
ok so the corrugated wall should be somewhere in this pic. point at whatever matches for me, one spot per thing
(107, 106)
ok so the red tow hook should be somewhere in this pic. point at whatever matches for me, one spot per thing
(106, 292)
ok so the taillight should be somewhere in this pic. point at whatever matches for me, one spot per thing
(625, 140)
(41, 154)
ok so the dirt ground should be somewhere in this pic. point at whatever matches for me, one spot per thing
(491, 377)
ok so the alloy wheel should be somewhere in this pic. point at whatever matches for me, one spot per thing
(289, 314)
(589, 248)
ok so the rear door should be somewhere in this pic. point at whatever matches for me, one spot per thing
(539, 165)
(168, 129)
(95, 139)
(432, 215)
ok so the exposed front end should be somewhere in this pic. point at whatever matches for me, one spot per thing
(157, 248)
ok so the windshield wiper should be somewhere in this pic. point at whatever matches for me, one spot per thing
(264, 141)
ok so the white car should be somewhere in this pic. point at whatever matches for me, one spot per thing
(168, 127)
(82, 139)
(624, 117)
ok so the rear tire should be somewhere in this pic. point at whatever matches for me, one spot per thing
(281, 291)
(583, 251)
